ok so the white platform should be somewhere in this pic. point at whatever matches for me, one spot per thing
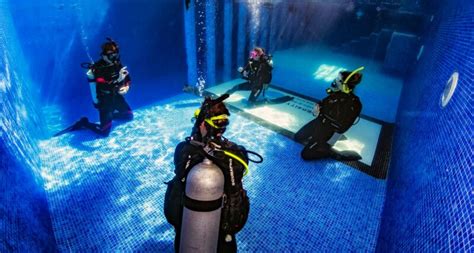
(291, 116)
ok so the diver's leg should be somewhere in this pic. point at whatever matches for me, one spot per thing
(255, 92)
(265, 88)
(242, 86)
(318, 148)
(315, 150)
(307, 131)
(105, 114)
(124, 110)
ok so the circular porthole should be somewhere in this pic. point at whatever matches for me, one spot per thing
(449, 89)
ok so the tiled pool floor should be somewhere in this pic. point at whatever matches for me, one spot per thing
(107, 194)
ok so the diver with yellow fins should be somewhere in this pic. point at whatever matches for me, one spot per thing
(206, 147)
(334, 114)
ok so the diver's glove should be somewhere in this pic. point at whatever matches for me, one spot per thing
(124, 89)
(122, 74)
(244, 73)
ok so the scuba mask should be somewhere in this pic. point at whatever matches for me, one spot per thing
(253, 55)
(215, 124)
(256, 53)
(113, 57)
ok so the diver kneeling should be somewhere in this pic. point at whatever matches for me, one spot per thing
(206, 147)
(257, 72)
(334, 114)
(109, 81)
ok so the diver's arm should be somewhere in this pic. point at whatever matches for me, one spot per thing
(322, 105)
(245, 71)
(178, 158)
(185, 157)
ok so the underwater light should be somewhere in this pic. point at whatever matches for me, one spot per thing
(327, 72)
(449, 89)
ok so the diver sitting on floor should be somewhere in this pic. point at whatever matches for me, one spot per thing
(334, 114)
(109, 81)
(258, 72)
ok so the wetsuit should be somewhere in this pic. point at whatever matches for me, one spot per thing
(111, 105)
(259, 75)
(186, 156)
(337, 113)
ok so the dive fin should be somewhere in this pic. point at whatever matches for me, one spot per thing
(76, 126)
(66, 130)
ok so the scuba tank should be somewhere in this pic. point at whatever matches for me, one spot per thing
(202, 208)
(92, 85)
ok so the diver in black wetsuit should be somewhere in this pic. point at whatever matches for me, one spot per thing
(109, 81)
(206, 140)
(334, 114)
(258, 72)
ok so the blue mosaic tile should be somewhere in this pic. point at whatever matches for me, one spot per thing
(107, 194)
(429, 204)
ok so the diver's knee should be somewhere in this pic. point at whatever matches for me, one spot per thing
(298, 137)
(104, 131)
(305, 154)
(130, 115)
(104, 134)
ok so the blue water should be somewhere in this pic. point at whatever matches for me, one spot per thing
(78, 192)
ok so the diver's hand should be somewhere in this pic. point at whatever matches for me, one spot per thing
(316, 110)
(124, 89)
(240, 69)
(245, 74)
(122, 74)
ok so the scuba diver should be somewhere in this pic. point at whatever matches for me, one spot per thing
(206, 142)
(257, 72)
(334, 114)
(109, 81)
